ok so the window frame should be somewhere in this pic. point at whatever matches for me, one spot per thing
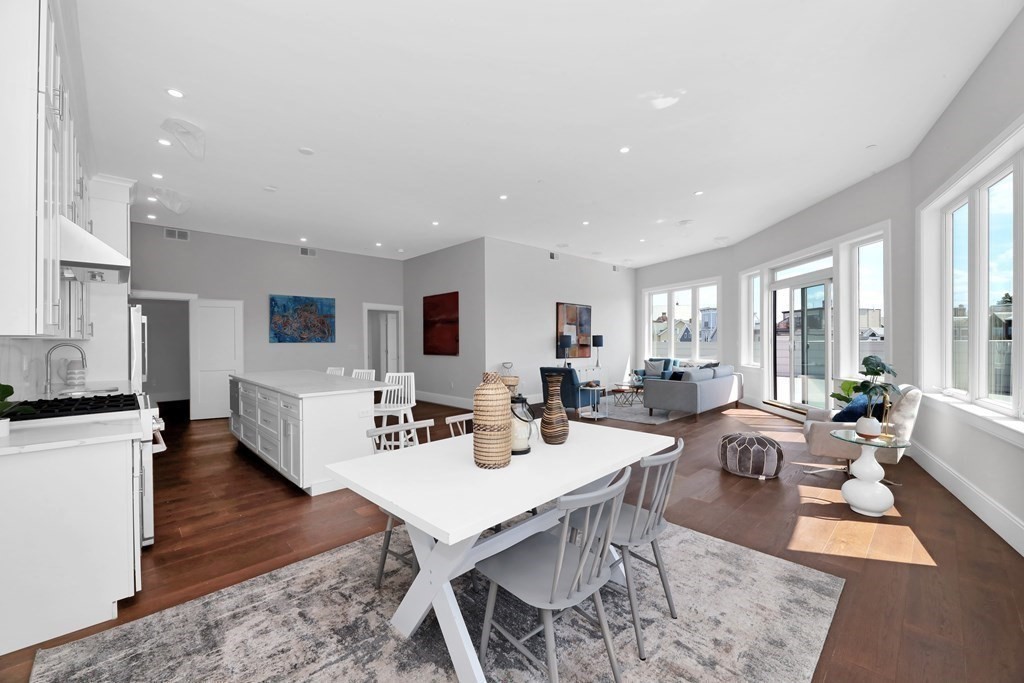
(669, 290)
(853, 314)
(748, 357)
(976, 198)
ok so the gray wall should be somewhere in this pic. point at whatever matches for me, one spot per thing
(523, 286)
(448, 379)
(167, 376)
(220, 267)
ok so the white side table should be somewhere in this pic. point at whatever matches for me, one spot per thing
(595, 398)
(866, 493)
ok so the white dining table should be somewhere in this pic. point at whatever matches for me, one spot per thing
(447, 502)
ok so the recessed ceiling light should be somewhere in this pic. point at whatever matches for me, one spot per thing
(642, 239)
(164, 142)
(624, 150)
(270, 188)
(722, 240)
(401, 251)
(175, 93)
(306, 150)
(435, 223)
(303, 239)
(502, 196)
(698, 193)
(151, 217)
(595, 253)
(586, 222)
(379, 244)
(150, 199)
(158, 176)
(660, 221)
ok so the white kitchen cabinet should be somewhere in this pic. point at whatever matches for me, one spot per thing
(301, 421)
(41, 177)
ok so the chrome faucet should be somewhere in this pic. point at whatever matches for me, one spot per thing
(49, 380)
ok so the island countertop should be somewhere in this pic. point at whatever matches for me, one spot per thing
(308, 383)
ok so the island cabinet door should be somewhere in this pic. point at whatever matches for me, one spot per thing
(291, 448)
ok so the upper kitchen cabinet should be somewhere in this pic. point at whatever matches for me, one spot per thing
(41, 176)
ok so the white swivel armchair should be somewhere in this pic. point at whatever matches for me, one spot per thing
(902, 415)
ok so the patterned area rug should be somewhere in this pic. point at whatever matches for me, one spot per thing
(637, 413)
(743, 616)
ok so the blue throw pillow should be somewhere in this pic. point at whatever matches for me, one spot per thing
(856, 409)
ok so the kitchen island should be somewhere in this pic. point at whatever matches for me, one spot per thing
(298, 421)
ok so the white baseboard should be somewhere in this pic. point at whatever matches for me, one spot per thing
(455, 401)
(1002, 521)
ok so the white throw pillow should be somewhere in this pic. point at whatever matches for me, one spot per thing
(653, 368)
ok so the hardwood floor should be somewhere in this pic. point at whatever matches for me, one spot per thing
(932, 594)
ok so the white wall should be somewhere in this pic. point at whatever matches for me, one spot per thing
(960, 451)
(219, 267)
(523, 286)
(167, 377)
(447, 379)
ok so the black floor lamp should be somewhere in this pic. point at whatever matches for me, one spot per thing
(598, 342)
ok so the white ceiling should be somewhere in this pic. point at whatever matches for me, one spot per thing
(428, 111)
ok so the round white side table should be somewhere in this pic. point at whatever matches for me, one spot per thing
(865, 493)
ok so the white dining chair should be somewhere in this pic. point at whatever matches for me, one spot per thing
(458, 423)
(549, 572)
(370, 374)
(386, 439)
(640, 524)
(334, 370)
(398, 399)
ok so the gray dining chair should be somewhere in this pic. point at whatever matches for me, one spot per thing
(369, 374)
(384, 439)
(549, 572)
(640, 524)
(458, 423)
(335, 370)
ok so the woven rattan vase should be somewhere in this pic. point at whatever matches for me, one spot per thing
(492, 423)
(554, 425)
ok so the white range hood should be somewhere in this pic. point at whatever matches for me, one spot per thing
(88, 258)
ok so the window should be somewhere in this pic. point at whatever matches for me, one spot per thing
(755, 320)
(958, 285)
(871, 300)
(979, 284)
(804, 267)
(686, 329)
(1000, 285)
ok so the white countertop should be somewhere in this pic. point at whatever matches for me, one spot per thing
(27, 437)
(308, 383)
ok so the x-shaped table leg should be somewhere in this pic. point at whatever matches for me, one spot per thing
(439, 564)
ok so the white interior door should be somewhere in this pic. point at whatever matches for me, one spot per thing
(215, 351)
(389, 321)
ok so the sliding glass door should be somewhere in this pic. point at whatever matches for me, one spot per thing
(801, 343)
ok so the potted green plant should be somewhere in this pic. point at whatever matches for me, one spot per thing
(876, 391)
(8, 408)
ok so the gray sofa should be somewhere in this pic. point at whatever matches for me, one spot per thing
(698, 391)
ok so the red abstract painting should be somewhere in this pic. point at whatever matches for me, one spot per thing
(441, 324)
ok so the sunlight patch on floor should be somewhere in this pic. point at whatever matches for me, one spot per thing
(860, 538)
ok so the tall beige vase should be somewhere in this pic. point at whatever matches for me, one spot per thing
(492, 423)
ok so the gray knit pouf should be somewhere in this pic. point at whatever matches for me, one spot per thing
(750, 454)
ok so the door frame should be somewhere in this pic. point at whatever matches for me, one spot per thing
(193, 345)
(820, 277)
(401, 332)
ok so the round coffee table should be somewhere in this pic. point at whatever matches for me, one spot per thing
(627, 393)
(865, 493)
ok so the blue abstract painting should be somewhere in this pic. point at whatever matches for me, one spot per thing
(301, 319)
